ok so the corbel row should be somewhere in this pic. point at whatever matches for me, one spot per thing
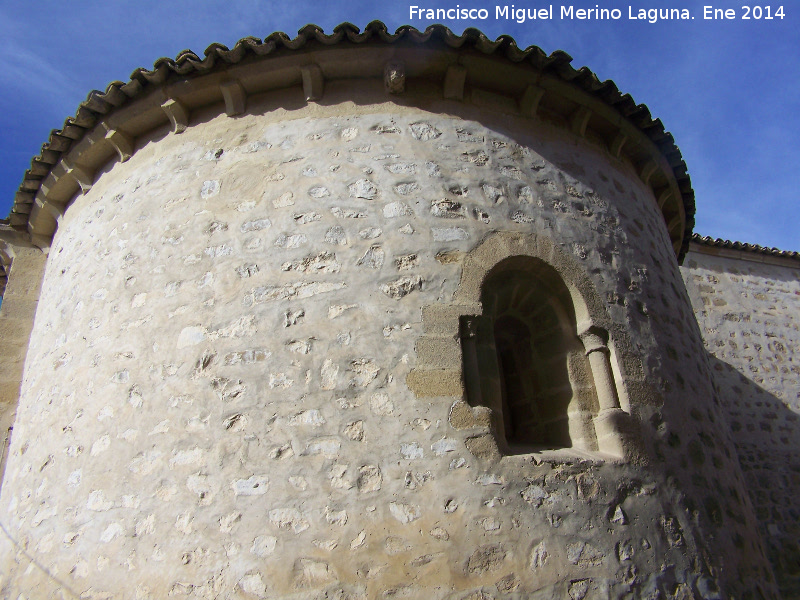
(44, 213)
(80, 169)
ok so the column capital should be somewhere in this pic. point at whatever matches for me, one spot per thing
(594, 339)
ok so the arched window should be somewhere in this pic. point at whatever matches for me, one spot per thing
(529, 365)
(525, 348)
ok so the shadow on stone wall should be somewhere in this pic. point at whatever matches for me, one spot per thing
(766, 433)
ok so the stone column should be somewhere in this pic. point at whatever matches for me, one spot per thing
(472, 378)
(611, 422)
(481, 373)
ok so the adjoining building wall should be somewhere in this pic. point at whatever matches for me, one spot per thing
(20, 297)
(748, 308)
(222, 361)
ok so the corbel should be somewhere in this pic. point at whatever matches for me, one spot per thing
(664, 197)
(529, 103)
(57, 172)
(80, 174)
(394, 77)
(647, 171)
(313, 82)
(41, 226)
(235, 97)
(122, 142)
(617, 144)
(580, 120)
(454, 80)
(178, 115)
(51, 209)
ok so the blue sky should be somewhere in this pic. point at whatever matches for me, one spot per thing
(728, 90)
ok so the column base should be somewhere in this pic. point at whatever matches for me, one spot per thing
(618, 434)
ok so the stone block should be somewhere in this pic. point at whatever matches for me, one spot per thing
(464, 416)
(483, 446)
(431, 383)
(438, 353)
(443, 320)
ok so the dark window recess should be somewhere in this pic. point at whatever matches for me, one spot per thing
(3, 281)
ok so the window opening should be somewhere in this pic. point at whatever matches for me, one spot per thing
(528, 364)
(3, 279)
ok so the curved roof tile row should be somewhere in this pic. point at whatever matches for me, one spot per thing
(755, 248)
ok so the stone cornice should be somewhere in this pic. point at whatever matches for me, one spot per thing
(493, 75)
